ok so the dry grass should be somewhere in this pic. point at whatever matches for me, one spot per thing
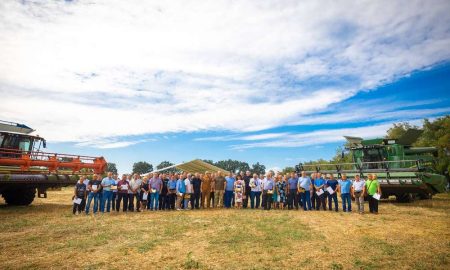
(403, 236)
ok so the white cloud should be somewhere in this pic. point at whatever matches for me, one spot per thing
(81, 71)
(319, 137)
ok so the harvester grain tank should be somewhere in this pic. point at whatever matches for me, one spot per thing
(24, 168)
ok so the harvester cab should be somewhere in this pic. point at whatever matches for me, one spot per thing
(25, 168)
(403, 171)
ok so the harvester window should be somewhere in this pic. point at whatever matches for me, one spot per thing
(24, 144)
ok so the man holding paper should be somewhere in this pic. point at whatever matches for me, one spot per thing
(304, 185)
(344, 187)
(122, 193)
(319, 184)
(374, 192)
(93, 189)
(331, 186)
(106, 183)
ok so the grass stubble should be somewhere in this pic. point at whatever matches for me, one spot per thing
(402, 236)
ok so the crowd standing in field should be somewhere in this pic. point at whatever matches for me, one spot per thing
(186, 191)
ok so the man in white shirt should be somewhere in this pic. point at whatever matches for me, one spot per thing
(358, 192)
(255, 191)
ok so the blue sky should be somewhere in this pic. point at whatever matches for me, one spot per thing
(248, 80)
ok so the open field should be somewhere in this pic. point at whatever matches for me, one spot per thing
(403, 236)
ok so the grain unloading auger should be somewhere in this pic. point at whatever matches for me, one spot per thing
(403, 171)
(24, 168)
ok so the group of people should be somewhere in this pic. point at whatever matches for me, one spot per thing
(186, 191)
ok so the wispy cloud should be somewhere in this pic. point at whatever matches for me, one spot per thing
(119, 68)
(110, 143)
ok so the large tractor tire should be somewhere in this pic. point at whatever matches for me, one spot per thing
(405, 197)
(19, 196)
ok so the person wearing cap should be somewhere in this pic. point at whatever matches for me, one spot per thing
(344, 188)
(219, 187)
(373, 187)
(319, 184)
(333, 184)
(359, 192)
(93, 193)
(304, 186)
(206, 190)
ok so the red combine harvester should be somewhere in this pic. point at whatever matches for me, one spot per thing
(24, 168)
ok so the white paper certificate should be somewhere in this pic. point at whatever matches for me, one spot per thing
(377, 196)
(94, 187)
(77, 201)
(124, 187)
(144, 196)
(330, 190)
(319, 192)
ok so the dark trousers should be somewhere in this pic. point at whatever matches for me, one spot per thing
(267, 200)
(162, 204)
(171, 201)
(373, 204)
(228, 198)
(333, 197)
(113, 201)
(131, 198)
(314, 199)
(255, 195)
(79, 207)
(306, 200)
(321, 202)
(292, 201)
(212, 198)
(120, 197)
(246, 199)
(195, 200)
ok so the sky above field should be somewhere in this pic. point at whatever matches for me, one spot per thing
(278, 82)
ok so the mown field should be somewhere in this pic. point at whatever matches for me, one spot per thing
(403, 236)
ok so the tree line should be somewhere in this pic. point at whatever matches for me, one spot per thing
(435, 133)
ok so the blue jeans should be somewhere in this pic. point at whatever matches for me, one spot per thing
(334, 198)
(106, 196)
(154, 200)
(306, 199)
(253, 195)
(346, 199)
(228, 198)
(88, 204)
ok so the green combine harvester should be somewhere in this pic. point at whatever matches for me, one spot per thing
(403, 171)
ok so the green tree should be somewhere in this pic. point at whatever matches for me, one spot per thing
(208, 161)
(398, 129)
(437, 133)
(288, 170)
(142, 167)
(165, 164)
(111, 167)
(258, 168)
(232, 165)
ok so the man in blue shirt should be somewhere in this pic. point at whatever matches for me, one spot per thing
(304, 185)
(332, 196)
(292, 191)
(229, 187)
(180, 191)
(268, 188)
(345, 186)
(172, 186)
(107, 182)
(93, 193)
(319, 184)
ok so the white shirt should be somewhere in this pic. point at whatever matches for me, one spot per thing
(257, 184)
(359, 185)
(188, 185)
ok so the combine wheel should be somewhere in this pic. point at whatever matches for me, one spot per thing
(425, 196)
(405, 197)
(19, 196)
